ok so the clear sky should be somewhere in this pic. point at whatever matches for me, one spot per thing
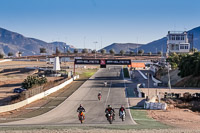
(79, 22)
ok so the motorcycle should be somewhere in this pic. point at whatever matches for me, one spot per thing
(99, 97)
(81, 116)
(105, 84)
(110, 118)
(122, 115)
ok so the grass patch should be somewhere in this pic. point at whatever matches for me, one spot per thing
(126, 73)
(145, 122)
(88, 73)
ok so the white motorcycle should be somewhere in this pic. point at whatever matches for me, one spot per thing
(105, 83)
(122, 115)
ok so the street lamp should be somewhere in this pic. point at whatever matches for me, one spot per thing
(95, 48)
(148, 83)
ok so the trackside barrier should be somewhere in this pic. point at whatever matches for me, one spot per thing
(36, 97)
(138, 90)
(156, 81)
(155, 106)
(5, 60)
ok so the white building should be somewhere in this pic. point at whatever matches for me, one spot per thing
(178, 42)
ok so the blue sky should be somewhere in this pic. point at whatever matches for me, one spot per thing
(79, 22)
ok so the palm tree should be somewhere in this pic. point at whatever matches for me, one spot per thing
(159, 53)
(112, 51)
(122, 52)
(93, 51)
(1, 56)
(141, 52)
(75, 51)
(103, 51)
(68, 52)
(57, 51)
(43, 50)
(150, 53)
(10, 54)
(131, 53)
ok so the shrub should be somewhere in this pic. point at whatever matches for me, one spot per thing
(31, 81)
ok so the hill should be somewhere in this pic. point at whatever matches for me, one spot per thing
(161, 44)
(14, 42)
(122, 46)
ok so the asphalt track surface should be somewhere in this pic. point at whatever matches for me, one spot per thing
(65, 114)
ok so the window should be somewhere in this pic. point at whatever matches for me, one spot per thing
(172, 48)
(182, 46)
(177, 47)
(177, 37)
(182, 37)
(173, 37)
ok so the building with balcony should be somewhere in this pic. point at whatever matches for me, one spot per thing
(178, 42)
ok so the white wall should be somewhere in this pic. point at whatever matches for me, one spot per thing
(36, 97)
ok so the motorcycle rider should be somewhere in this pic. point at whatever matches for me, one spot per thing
(105, 83)
(122, 109)
(99, 94)
(110, 110)
(81, 110)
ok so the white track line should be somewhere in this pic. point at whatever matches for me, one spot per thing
(108, 94)
(127, 100)
(142, 74)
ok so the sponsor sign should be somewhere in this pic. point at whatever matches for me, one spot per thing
(87, 61)
(118, 62)
(103, 61)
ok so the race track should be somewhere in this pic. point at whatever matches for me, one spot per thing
(113, 94)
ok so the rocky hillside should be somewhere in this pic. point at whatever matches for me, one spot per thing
(14, 42)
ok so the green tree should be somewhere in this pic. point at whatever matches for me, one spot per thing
(1, 56)
(10, 54)
(84, 51)
(190, 65)
(141, 52)
(150, 53)
(112, 51)
(75, 51)
(68, 52)
(57, 51)
(174, 60)
(32, 81)
(43, 50)
(122, 52)
(131, 53)
(93, 51)
(194, 50)
(159, 53)
(103, 51)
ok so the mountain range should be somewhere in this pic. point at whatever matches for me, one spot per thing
(15, 42)
(154, 46)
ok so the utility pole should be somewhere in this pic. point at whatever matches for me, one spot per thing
(95, 48)
(169, 82)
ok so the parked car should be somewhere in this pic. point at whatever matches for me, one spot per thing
(18, 90)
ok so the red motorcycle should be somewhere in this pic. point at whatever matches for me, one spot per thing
(81, 117)
(110, 118)
(99, 97)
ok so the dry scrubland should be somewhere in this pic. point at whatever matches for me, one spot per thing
(100, 131)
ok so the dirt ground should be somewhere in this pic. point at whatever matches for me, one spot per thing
(13, 73)
(184, 119)
(181, 118)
